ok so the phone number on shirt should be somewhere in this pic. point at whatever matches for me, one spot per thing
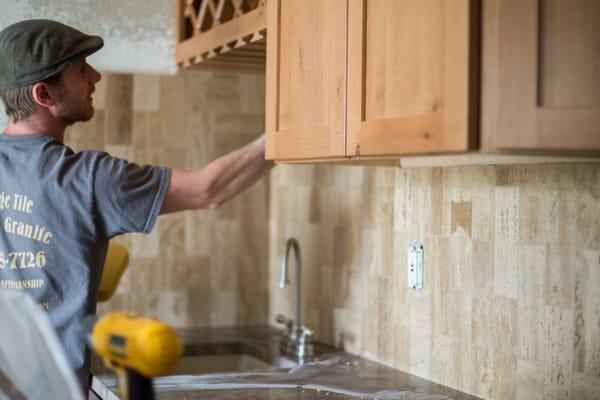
(22, 259)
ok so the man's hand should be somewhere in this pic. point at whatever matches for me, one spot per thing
(223, 178)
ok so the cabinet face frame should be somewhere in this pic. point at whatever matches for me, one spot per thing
(320, 142)
(513, 118)
(450, 128)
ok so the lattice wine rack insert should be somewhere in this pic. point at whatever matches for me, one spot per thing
(221, 32)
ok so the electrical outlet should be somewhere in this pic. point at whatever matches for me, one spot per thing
(415, 266)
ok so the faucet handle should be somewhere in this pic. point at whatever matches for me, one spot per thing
(304, 344)
(305, 333)
(282, 319)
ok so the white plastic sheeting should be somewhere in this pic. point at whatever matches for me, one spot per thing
(33, 364)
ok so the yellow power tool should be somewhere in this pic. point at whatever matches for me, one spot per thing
(117, 258)
(136, 348)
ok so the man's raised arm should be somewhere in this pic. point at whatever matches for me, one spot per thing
(223, 178)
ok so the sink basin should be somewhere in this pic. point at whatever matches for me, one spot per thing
(228, 357)
(208, 364)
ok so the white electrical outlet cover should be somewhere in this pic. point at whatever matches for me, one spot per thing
(415, 266)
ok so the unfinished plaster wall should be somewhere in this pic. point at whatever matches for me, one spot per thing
(139, 36)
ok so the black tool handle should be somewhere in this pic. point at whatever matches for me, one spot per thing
(139, 387)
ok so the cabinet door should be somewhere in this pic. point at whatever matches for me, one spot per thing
(306, 79)
(412, 76)
(542, 88)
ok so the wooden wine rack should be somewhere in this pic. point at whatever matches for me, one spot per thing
(221, 34)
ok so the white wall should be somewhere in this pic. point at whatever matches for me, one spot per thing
(139, 35)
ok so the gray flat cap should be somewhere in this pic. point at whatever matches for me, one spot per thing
(36, 49)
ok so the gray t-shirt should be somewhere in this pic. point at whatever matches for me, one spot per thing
(58, 210)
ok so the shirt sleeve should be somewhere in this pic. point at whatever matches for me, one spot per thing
(127, 197)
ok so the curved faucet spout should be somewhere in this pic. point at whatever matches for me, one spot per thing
(292, 243)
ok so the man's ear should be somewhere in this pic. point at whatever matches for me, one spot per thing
(42, 95)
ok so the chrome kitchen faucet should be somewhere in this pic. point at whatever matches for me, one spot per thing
(297, 339)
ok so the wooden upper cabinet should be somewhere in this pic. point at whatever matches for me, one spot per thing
(412, 76)
(384, 78)
(541, 76)
(306, 79)
(348, 78)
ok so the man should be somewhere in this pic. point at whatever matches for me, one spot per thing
(59, 208)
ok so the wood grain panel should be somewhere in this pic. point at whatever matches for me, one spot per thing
(540, 93)
(420, 134)
(306, 70)
(569, 56)
(408, 59)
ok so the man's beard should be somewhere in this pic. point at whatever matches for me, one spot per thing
(71, 111)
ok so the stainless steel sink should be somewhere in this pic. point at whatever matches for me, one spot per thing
(208, 364)
(228, 357)
(214, 357)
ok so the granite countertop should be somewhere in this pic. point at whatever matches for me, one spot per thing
(331, 375)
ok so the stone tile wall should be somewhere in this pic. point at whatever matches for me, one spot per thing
(197, 268)
(510, 307)
(511, 302)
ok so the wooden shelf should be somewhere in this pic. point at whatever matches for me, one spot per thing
(221, 34)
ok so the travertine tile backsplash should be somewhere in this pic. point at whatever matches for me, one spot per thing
(196, 268)
(511, 301)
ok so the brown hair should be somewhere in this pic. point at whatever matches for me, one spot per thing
(19, 103)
